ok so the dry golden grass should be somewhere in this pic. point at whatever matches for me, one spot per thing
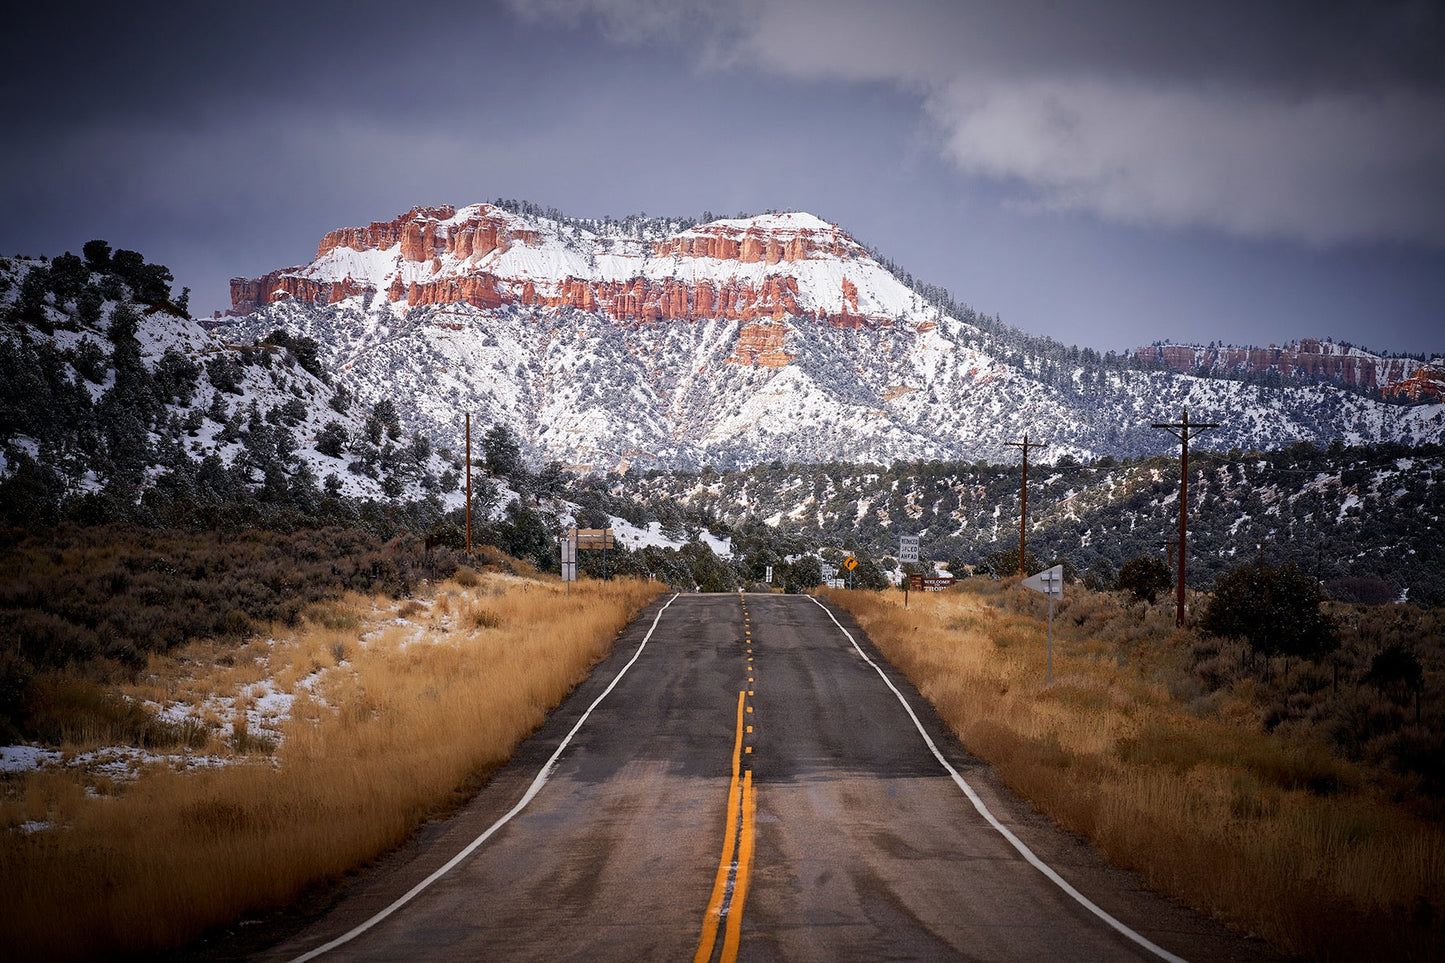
(403, 721)
(1280, 839)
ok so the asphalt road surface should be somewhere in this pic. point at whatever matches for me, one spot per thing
(739, 781)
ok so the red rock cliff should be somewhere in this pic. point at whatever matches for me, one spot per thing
(1304, 360)
(1425, 386)
(454, 248)
(422, 235)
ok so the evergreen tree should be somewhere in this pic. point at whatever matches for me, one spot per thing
(1145, 578)
(1275, 610)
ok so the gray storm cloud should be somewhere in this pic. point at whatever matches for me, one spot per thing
(1321, 169)
(1323, 130)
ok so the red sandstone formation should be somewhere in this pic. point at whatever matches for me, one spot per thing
(761, 344)
(729, 243)
(1426, 385)
(422, 235)
(431, 234)
(1307, 359)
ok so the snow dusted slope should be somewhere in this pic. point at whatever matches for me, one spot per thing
(740, 340)
(122, 396)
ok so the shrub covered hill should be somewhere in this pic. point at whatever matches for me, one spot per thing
(115, 404)
(672, 343)
(117, 407)
(1362, 519)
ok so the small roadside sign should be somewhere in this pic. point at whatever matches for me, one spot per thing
(1050, 582)
(830, 572)
(929, 583)
(850, 563)
(907, 548)
(769, 577)
(593, 537)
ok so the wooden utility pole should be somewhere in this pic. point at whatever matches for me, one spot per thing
(1184, 430)
(469, 486)
(1024, 491)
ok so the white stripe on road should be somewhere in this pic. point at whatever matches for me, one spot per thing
(532, 791)
(1003, 830)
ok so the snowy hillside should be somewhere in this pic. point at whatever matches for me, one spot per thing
(737, 341)
(107, 397)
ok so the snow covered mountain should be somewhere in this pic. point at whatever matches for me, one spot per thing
(655, 343)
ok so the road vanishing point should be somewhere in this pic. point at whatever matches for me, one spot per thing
(744, 778)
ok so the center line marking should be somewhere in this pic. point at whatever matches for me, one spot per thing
(727, 866)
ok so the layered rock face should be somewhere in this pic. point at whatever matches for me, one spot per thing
(1304, 360)
(1425, 386)
(745, 270)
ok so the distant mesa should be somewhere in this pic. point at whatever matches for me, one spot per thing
(490, 258)
(1309, 359)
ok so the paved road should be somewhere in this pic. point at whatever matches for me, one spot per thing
(749, 787)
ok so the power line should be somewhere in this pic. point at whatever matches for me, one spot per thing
(1024, 491)
(1181, 430)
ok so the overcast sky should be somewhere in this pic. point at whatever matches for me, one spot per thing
(1109, 173)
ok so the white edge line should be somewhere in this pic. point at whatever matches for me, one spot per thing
(471, 847)
(1003, 830)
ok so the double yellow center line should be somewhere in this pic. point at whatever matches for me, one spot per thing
(730, 888)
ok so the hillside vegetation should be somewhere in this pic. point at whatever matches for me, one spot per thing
(1342, 514)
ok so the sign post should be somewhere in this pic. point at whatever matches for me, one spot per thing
(1051, 583)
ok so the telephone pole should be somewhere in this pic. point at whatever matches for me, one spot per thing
(469, 486)
(1184, 430)
(1024, 491)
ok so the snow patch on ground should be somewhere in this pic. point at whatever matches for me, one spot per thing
(632, 537)
(23, 758)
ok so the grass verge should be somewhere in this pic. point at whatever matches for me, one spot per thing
(397, 710)
(1275, 835)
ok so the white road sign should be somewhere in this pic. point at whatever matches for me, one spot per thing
(907, 548)
(1050, 582)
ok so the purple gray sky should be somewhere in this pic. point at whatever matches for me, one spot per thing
(1108, 173)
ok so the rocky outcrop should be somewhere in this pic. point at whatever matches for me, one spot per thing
(638, 300)
(445, 255)
(424, 233)
(1304, 360)
(727, 242)
(760, 344)
(249, 294)
(1425, 386)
